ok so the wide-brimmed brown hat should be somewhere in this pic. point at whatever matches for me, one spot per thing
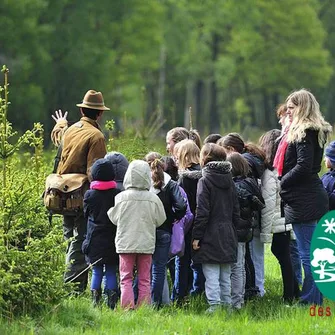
(94, 100)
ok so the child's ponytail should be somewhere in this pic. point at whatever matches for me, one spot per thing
(157, 173)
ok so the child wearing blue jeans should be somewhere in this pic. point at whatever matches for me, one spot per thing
(99, 245)
(214, 237)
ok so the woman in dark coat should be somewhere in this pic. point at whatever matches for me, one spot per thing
(99, 245)
(298, 161)
(214, 235)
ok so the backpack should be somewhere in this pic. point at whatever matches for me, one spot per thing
(64, 194)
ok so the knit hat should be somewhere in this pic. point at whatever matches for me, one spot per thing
(330, 152)
(120, 164)
(102, 170)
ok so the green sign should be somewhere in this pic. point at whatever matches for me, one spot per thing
(323, 255)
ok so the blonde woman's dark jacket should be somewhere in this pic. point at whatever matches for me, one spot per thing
(302, 192)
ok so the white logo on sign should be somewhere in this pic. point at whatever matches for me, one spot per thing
(330, 226)
(321, 258)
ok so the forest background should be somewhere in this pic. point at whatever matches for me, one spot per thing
(232, 61)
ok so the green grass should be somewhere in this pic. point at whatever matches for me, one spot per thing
(267, 315)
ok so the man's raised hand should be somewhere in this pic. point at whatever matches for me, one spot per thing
(59, 116)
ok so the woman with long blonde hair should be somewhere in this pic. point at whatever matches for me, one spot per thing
(298, 162)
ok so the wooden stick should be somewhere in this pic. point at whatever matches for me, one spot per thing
(190, 116)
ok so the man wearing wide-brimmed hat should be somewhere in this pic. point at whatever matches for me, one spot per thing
(82, 144)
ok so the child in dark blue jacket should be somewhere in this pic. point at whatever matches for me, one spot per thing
(251, 201)
(99, 244)
(328, 179)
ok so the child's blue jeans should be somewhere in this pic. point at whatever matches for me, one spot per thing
(107, 270)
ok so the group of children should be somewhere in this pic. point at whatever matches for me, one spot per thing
(226, 196)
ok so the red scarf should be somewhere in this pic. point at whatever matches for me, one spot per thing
(278, 162)
(102, 185)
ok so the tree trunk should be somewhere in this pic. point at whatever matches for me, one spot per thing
(250, 101)
(214, 120)
(266, 110)
(188, 103)
(205, 117)
(273, 118)
(149, 100)
(198, 120)
(161, 81)
(214, 117)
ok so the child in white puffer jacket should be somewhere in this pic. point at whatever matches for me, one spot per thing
(137, 213)
(273, 222)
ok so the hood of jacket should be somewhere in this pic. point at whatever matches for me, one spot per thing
(218, 173)
(138, 176)
(120, 164)
(102, 170)
(194, 172)
(247, 187)
(256, 164)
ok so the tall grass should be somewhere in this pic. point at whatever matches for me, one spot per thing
(267, 315)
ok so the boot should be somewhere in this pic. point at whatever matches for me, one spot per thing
(96, 296)
(111, 298)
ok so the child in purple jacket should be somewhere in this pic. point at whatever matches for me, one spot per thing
(328, 179)
(171, 169)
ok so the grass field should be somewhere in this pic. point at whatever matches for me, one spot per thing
(268, 315)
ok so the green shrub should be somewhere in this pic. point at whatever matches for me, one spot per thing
(31, 250)
(32, 279)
